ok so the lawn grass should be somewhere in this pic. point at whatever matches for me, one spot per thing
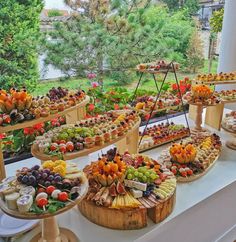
(147, 81)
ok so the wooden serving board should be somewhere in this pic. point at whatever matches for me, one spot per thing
(84, 152)
(195, 177)
(126, 219)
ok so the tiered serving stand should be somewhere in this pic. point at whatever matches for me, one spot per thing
(214, 114)
(50, 230)
(72, 114)
(169, 69)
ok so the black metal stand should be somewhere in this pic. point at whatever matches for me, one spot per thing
(170, 67)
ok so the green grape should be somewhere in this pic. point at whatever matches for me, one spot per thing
(147, 173)
(141, 169)
(136, 173)
(140, 174)
(144, 179)
(153, 176)
(130, 176)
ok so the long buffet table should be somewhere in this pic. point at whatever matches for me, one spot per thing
(203, 212)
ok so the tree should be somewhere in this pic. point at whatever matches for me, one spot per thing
(19, 31)
(216, 21)
(191, 5)
(116, 35)
(195, 57)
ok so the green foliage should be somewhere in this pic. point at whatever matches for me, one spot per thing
(191, 5)
(195, 58)
(19, 31)
(216, 21)
(118, 34)
(54, 13)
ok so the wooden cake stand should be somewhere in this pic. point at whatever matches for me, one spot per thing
(50, 230)
(198, 117)
(128, 141)
(72, 114)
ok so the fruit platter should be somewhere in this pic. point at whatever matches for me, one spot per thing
(193, 157)
(71, 141)
(161, 134)
(39, 192)
(201, 95)
(128, 188)
(216, 78)
(167, 101)
(156, 66)
(229, 122)
(17, 105)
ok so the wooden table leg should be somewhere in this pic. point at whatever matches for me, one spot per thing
(122, 146)
(132, 141)
(192, 112)
(2, 165)
(72, 117)
(198, 120)
(214, 116)
(52, 233)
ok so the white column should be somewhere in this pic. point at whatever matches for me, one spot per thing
(227, 57)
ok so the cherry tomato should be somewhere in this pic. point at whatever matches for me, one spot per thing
(42, 202)
(183, 173)
(53, 147)
(62, 196)
(50, 189)
(69, 146)
(62, 148)
(189, 172)
(6, 119)
(41, 190)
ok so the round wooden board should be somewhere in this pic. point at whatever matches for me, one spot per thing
(228, 130)
(17, 214)
(126, 219)
(231, 144)
(84, 152)
(30, 123)
(195, 177)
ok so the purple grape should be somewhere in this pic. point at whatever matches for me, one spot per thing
(44, 175)
(50, 178)
(41, 181)
(47, 183)
(19, 178)
(32, 179)
(25, 179)
(47, 171)
(36, 167)
(57, 174)
(35, 173)
(39, 176)
(57, 178)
